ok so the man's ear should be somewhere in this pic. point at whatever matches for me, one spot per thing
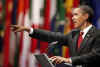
(86, 16)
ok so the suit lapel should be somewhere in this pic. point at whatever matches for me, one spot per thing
(75, 41)
(75, 38)
(87, 38)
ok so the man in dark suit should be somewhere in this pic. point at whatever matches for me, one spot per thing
(83, 42)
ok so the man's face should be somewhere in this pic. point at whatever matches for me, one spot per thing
(78, 18)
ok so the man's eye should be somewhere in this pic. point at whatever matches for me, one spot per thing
(75, 13)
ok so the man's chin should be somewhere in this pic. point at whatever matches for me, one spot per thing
(76, 27)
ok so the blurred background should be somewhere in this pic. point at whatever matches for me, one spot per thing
(18, 49)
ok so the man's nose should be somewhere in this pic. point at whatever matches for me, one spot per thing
(72, 17)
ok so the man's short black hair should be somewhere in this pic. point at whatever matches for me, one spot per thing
(88, 10)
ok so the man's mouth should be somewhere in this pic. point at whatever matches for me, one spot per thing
(74, 22)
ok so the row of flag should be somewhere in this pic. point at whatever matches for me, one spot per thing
(53, 15)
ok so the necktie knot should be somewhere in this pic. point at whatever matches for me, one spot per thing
(81, 33)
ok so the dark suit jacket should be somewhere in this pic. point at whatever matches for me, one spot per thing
(89, 53)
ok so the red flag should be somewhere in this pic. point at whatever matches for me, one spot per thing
(25, 39)
(76, 3)
(69, 26)
(35, 21)
(20, 21)
(9, 5)
(0, 11)
(46, 26)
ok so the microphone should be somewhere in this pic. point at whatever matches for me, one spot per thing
(51, 46)
(53, 43)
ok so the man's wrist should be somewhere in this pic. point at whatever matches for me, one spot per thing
(68, 60)
(27, 29)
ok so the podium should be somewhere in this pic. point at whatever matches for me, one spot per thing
(44, 60)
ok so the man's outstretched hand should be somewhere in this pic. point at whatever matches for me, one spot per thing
(17, 28)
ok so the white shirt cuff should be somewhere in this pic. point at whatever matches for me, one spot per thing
(31, 30)
(70, 60)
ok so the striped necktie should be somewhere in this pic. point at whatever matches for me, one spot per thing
(80, 39)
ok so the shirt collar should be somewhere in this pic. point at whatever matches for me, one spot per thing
(86, 30)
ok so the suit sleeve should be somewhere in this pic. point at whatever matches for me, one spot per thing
(48, 36)
(92, 57)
